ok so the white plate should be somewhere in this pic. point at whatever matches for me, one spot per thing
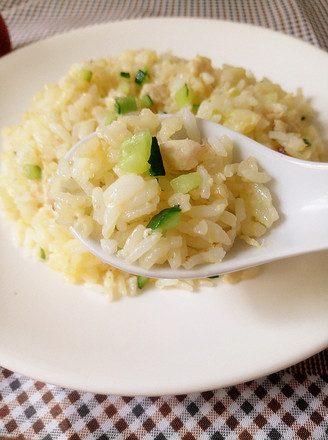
(161, 342)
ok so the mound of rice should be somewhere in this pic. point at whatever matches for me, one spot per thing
(84, 100)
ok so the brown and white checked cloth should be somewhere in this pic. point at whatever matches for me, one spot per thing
(291, 404)
(32, 20)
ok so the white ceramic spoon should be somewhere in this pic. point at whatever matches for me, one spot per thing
(300, 194)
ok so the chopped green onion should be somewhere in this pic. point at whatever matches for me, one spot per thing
(125, 74)
(142, 281)
(125, 104)
(135, 152)
(215, 276)
(303, 118)
(110, 118)
(167, 219)
(85, 74)
(141, 76)
(307, 142)
(42, 253)
(146, 101)
(32, 172)
(186, 182)
(155, 160)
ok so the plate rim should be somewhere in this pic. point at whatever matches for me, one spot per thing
(66, 34)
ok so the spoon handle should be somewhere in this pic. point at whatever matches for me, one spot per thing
(303, 205)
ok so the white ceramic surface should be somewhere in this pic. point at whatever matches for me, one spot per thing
(161, 342)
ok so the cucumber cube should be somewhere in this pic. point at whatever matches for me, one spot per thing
(135, 152)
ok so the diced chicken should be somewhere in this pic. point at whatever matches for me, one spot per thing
(181, 154)
(275, 110)
(157, 92)
(279, 125)
(200, 65)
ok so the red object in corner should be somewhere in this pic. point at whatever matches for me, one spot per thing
(5, 44)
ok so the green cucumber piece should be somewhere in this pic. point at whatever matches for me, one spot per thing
(307, 142)
(42, 253)
(186, 97)
(124, 87)
(32, 172)
(186, 182)
(110, 118)
(155, 160)
(194, 108)
(145, 101)
(125, 104)
(142, 281)
(135, 152)
(167, 219)
(182, 96)
(85, 74)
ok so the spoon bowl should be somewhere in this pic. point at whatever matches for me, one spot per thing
(300, 194)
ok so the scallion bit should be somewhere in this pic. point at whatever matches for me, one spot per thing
(141, 76)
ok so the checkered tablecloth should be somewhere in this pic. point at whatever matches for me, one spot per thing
(291, 404)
